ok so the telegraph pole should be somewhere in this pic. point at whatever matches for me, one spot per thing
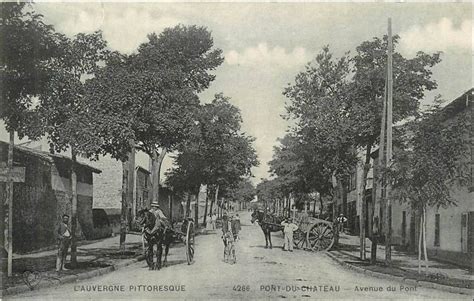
(388, 161)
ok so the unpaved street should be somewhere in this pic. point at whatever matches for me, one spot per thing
(259, 273)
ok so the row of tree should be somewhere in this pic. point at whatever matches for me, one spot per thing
(336, 106)
(93, 101)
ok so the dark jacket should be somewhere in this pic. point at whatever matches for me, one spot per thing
(61, 230)
(234, 226)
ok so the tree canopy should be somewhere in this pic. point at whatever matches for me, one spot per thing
(28, 45)
(151, 95)
(433, 158)
(217, 153)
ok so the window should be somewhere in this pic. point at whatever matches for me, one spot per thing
(436, 238)
(352, 181)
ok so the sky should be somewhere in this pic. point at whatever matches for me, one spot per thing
(266, 44)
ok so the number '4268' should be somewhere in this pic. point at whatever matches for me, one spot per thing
(242, 288)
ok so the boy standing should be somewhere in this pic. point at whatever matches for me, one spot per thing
(290, 227)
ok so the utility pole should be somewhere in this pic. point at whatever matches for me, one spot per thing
(9, 175)
(389, 97)
(380, 168)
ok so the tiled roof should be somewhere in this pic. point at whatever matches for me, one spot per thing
(49, 157)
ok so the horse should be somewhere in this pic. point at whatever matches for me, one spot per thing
(162, 237)
(269, 223)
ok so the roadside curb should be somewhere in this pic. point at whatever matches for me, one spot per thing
(70, 278)
(414, 282)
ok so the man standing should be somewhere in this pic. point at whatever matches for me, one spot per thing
(289, 228)
(226, 227)
(63, 234)
(236, 226)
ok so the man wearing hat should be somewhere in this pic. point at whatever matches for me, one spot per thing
(160, 217)
(63, 235)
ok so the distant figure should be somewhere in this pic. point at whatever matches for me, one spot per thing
(340, 220)
(289, 228)
(226, 227)
(236, 226)
(63, 235)
(209, 222)
(214, 221)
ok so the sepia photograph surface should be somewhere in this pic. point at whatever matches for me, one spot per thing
(236, 150)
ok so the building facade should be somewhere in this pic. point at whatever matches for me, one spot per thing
(450, 230)
(45, 196)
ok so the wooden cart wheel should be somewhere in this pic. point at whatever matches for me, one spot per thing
(190, 242)
(320, 236)
(299, 239)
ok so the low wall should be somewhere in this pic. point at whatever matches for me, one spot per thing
(458, 258)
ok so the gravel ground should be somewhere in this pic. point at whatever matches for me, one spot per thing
(258, 274)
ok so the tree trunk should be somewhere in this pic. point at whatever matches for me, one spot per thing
(123, 215)
(420, 240)
(188, 206)
(131, 204)
(374, 226)
(289, 205)
(9, 195)
(205, 210)
(196, 209)
(170, 206)
(216, 198)
(362, 217)
(157, 160)
(424, 239)
(211, 207)
(73, 208)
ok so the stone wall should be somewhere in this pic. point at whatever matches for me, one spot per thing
(34, 203)
(108, 184)
(40, 202)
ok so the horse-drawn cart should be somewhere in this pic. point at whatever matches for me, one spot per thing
(164, 237)
(188, 238)
(313, 234)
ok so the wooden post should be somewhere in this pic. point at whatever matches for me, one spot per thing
(74, 208)
(388, 235)
(10, 204)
